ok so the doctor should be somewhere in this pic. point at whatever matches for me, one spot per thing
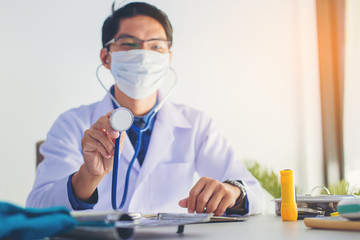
(181, 141)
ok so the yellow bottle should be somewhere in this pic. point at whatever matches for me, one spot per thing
(289, 211)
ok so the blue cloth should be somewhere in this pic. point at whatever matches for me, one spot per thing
(77, 204)
(32, 223)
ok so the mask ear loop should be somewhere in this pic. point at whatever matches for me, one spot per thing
(158, 107)
(98, 78)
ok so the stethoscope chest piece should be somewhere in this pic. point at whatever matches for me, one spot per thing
(121, 119)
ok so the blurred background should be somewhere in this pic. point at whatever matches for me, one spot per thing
(280, 79)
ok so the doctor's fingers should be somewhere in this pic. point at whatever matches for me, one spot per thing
(214, 202)
(193, 194)
(210, 197)
(108, 163)
(97, 140)
(220, 200)
(200, 194)
(103, 123)
(225, 203)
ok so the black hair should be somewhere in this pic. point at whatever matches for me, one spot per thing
(111, 24)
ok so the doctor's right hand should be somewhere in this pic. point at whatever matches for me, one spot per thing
(98, 144)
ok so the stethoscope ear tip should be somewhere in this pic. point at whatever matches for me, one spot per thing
(121, 119)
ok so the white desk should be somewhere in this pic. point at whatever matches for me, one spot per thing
(256, 227)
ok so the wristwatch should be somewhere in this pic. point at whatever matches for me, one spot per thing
(237, 183)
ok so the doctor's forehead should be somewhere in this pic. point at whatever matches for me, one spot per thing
(142, 27)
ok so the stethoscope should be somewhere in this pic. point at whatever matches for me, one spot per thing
(121, 119)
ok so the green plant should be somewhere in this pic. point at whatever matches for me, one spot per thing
(268, 179)
(342, 188)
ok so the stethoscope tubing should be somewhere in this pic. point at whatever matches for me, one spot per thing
(115, 173)
(139, 131)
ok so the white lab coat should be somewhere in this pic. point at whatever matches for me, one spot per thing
(183, 141)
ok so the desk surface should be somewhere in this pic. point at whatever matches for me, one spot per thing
(256, 227)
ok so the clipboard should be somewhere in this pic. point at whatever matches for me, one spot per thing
(120, 225)
(332, 223)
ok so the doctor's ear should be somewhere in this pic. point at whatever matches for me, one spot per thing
(105, 57)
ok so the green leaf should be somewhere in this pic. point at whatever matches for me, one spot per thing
(342, 188)
(268, 179)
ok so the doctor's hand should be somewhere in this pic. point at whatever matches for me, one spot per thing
(210, 196)
(98, 145)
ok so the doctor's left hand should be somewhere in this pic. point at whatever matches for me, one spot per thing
(210, 196)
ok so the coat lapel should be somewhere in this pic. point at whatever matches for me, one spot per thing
(162, 138)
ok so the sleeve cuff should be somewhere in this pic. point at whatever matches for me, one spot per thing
(77, 204)
(239, 209)
(241, 206)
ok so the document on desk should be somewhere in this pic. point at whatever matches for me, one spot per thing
(200, 216)
(165, 219)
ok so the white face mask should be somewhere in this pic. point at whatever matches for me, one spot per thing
(139, 73)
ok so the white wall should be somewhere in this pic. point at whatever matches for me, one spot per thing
(249, 64)
(352, 97)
